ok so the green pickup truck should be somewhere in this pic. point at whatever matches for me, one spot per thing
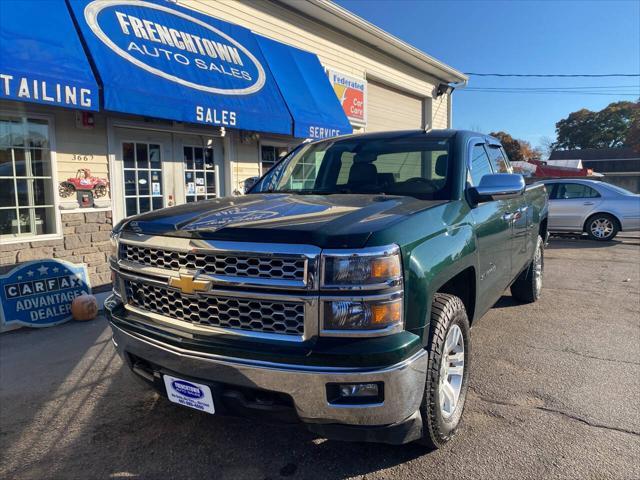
(339, 292)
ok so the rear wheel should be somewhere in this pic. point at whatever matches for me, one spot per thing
(528, 285)
(602, 227)
(448, 371)
(100, 191)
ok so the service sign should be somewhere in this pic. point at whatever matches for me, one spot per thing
(162, 60)
(352, 93)
(39, 293)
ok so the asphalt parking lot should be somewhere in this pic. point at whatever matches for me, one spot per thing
(555, 393)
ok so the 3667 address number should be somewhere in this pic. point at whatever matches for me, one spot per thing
(77, 157)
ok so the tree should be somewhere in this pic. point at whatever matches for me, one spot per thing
(547, 145)
(510, 144)
(528, 152)
(607, 128)
(632, 139)
(517, 150)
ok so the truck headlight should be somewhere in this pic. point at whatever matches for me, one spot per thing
(363, 314)
(365, 269)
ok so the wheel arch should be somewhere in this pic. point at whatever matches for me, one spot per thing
(602, 212)
(543, 229)
(463, 286)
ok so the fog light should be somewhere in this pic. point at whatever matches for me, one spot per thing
(355, 393)
(359, 390)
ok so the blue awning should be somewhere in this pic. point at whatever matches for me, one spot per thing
(41, 57)
(313, 104)
(160, 60)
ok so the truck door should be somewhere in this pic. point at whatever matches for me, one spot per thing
(520, 216)
(493, 235)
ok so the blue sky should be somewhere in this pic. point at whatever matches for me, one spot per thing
(561, 37)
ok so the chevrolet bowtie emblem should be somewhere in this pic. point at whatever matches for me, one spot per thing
(188, 284)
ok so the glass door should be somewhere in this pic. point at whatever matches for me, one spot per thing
(143, 171)
(199, 173)
(143, 178)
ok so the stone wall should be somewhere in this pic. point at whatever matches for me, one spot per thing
(85, 240)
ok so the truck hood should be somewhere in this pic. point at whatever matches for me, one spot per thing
(327, 221)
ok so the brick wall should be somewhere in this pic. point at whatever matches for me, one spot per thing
(85, 240)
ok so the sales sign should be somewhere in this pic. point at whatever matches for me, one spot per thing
(158, 59)
(39, 293)
(352, 93)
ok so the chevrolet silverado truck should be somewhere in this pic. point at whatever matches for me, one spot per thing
(339, 292)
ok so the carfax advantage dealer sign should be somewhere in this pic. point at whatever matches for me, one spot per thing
(40, 293)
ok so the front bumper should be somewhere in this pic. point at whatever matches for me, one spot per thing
(394, 420)
(403, 382)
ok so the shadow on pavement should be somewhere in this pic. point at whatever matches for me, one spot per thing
(575, 241)
(91, 418)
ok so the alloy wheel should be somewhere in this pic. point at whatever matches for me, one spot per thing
(601, 227)
(451, 371)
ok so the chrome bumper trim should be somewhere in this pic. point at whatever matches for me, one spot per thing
(404, 382)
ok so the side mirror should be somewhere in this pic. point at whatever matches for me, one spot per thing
(248, 183)
(498, 186)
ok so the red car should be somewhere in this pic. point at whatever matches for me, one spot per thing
(83, 181)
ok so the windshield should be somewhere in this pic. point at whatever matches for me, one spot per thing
(416, 167)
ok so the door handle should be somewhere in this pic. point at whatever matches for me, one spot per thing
(588, 203)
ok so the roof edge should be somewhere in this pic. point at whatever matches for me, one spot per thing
(369, 33)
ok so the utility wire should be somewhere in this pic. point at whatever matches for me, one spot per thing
(552, 75)
(560, 88)
(534, 92)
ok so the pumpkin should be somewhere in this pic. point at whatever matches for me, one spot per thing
(84, 307)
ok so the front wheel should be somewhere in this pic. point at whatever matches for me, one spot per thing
(602, 227)
(528, 285)
(449, 351)
(66, 189)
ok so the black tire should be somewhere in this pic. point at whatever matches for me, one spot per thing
(527, 288)
(602, 227)
(437, 428)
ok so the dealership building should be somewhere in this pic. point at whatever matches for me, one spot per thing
(109, 108)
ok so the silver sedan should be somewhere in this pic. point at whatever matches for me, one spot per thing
(597, 208)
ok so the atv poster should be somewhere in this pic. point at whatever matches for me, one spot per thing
(84, 188)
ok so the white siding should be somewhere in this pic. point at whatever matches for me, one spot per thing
(335, 50)
(440, 112)
(391, 109)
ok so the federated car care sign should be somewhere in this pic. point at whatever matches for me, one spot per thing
(39, 293)
(158, 59)
(352, 93)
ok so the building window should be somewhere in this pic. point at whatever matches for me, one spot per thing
(142, 167)
(26, 185)
(269, 156)
(199, 173)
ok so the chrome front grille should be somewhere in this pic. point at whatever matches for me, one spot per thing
(254, 266)
(255, 315)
